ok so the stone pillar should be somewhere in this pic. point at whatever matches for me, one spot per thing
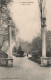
(10, 59)
(42, 4)
(10, 42)
(10, 52)
(43, 41)
(43, 58)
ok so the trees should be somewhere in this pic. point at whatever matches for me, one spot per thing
(6, 22)
(36, 45)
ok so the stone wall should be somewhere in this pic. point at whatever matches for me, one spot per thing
(6, 62)
(45, 61)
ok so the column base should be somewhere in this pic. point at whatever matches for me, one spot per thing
(8, 62)
(44, 61)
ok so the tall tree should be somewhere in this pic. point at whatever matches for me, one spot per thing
(6, 21)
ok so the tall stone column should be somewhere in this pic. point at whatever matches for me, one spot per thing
(43, 58)
(10, 41)
(43, 29)
(10, 59)
(10, 52)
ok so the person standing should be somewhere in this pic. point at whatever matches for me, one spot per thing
(27, 55)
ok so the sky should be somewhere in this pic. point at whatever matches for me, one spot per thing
(26, 16)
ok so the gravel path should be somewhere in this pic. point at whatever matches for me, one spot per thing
(25, 69)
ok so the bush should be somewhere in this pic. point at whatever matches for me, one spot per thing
(3, 54)
(18, 52)
(48, 54)
(36, 54)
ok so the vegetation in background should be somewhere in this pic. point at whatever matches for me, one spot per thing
(36, 46)
(6, 22)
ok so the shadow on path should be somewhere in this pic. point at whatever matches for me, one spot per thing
(35, 60)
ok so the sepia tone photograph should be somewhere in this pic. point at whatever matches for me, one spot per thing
(25, 40)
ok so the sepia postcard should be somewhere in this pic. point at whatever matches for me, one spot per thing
(25, 40)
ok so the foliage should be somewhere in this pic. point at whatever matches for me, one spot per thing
(3, 54)
(18, 51)
(5, 22)
(36, 45)
(5, 2)
(25, 46)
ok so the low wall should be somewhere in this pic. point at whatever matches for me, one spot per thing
(6, 62)
(45, 61)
